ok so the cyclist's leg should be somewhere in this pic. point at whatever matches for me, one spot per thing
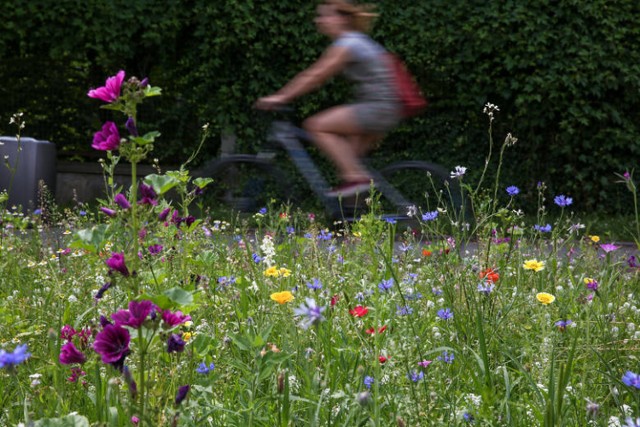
(331, 130)
(365, 143)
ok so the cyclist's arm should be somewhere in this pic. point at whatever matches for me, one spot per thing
(332, 61)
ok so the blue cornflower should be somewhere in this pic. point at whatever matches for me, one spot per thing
(446, 357)
(18, 356)
(436, 291)
(316, 285)
(410, 278)
(403, 310)
(562, 324)
(542, 228)
(368, 381)
(37, 212)
(291, 230)
(429, 216)
(513, 190)
(631, 379)
(262, 211)
(630, 422)
(83, 213)
(562, 200)
(310, 312)
(486, 288)
(468, 417)
(390, 220)
(256, 258)
(204, 369)
(325, 235)
(385, 285)
(445, 314)
(415, 376)
(413, 296)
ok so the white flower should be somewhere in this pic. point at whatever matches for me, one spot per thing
(458, 172)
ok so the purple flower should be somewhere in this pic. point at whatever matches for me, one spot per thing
(162, 216)
(112, 344)
(631, 379)
(542, 228)
(445, 314)
(128, 378)
(67, 332)
(182, 393)
(70, 354)
(415, 376)
(430, 216)
(256, 258)
(513, 190)
(609, 247)
(204, 369)
(19, 355)
(155, 249)
(316, 285)
(175, 344)
(174, 319)
(131, 126)
(102, 290)
(107, 139)
(107, 211)
(562, 324)
(111, 90)
(486, 288)
(446, 357)
(135, 315)
(385, 285)
(147, 195)
(116, 263)
(403, 310)
(425, 363)
(122, 201)
(368, 381)
(310, 312)
(562, 201)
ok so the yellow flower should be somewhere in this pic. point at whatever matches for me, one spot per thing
(533, 264)
(187, 336)
(588, 280)
(595, 239)
(282, 297)
(272, 271)
(545, 298)
(285, 272)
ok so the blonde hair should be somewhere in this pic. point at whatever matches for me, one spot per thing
(361, 15)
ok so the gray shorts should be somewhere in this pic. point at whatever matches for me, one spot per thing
(377, 117)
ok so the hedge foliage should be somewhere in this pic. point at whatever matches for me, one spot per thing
(566, 76)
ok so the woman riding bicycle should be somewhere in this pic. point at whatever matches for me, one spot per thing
(346, 133)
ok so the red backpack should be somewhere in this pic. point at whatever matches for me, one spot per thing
(411, 97)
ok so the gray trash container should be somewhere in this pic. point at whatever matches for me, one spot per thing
(37, 162)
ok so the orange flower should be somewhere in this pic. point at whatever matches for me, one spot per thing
(426, 252)
(490, 274)
(282, 297)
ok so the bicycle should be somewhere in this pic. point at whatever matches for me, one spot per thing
(246, 182)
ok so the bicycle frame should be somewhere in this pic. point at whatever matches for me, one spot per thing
(288, 136)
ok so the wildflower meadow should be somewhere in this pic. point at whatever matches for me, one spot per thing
(147, 312)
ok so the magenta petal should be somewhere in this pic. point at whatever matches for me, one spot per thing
(112, 343)
(70, 354)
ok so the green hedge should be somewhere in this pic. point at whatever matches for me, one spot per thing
(566, 76)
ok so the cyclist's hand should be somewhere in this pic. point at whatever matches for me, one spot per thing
(271, 102)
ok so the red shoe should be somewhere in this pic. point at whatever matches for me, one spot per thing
(350, 188)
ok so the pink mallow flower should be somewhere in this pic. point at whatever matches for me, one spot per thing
(135, 315)
(70, 354)
(116, 263)
(107, 139)
(110, 92)
(174, 319)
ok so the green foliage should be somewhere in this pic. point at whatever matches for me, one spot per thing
(566, 76)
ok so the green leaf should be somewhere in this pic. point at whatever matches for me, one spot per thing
(161, 183)
(202, 182)
(90, 239)
(179, 296)
(68, 421)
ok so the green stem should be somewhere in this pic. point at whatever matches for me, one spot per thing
(142, 374)
(134, 219)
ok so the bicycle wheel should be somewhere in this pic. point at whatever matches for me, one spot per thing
(245, 183)
(427, 186)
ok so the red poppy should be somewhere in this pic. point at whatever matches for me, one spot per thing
(372, 331)
(383, 359)
(359, 311)
(490, 274)
(335, 299)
